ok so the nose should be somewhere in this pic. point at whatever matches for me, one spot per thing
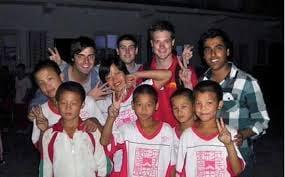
(68, 106)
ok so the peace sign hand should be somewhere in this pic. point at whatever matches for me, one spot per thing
(185, 75)
(224, 134)
(55, 56)
(114, 108)
(187, 54)
(41, 120)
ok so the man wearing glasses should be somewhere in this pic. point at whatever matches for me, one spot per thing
(244, 108)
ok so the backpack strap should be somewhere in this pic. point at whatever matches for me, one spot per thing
(51, 146)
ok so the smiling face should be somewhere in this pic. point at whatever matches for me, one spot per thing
(216, 53)
(127, 51)
(84, 61)
(48, 81)
(116, 79)
(69, 105)
(162, 44)
(183, 109)
(144, 106)
(207, 105)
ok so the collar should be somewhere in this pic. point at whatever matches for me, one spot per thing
(232, 74)
(53, 107)
(172, 66)
(59, 128)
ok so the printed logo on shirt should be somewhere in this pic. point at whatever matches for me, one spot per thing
(171, 85)
(210, 164)
(125, 117)
(146, 162)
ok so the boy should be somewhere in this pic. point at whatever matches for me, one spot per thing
(147, 144)
(207, 149)
(68, 150)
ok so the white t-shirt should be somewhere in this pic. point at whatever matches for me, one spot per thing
(90, 109)
(146, 156)
(21, 87)
(203, 155)
(73, 157)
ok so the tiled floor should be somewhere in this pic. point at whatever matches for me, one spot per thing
(22, 158)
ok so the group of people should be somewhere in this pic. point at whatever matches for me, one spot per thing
(120, 118)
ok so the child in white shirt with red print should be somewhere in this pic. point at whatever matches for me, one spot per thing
(207, 148)
(147, 144)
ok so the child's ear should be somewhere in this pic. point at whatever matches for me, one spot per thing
(61, 77)
(221, 104)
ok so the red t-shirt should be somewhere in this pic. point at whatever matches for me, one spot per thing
(164, 112)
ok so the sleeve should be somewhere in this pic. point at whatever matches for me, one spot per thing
(257, 108)
(181, 155)
(171, 167)
(36, 134)
(38, 99)
(47, 164)
(99, 156)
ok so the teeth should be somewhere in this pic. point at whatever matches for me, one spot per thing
(215, 60)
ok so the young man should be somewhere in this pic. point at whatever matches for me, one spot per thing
(81, 70)
(162, 36)
(127, 50)
(244, 108)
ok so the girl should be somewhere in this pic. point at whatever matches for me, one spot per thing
(208, 148)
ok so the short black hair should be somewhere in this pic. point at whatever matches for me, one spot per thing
(185, 92)
(209, 86)
(105, 66)
(212, 33)
(128, 37)
(162, 26)
(72, 87)
(44, 64)
(80, 43)
(145, 89)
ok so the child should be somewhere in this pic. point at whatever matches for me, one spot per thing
(48, 77)
(182, 102)
(115, 73)
(147, 144)
(68, 150)
(208, 148)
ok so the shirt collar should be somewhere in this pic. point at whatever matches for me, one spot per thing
(59, 128)
(231, 75)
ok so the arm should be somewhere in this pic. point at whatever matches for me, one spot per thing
(258, 113)
(113, 112)
(225, 138)
(159, 77)
(47, 164)
(99, 156)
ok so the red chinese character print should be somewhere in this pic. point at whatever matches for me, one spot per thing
(146, 162)
(210, 164)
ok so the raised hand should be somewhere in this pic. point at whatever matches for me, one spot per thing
(114, 109)
(187, 54)
(185, 75)
(41, 120)
(224, 134)
(55, 56)
(99, 92)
